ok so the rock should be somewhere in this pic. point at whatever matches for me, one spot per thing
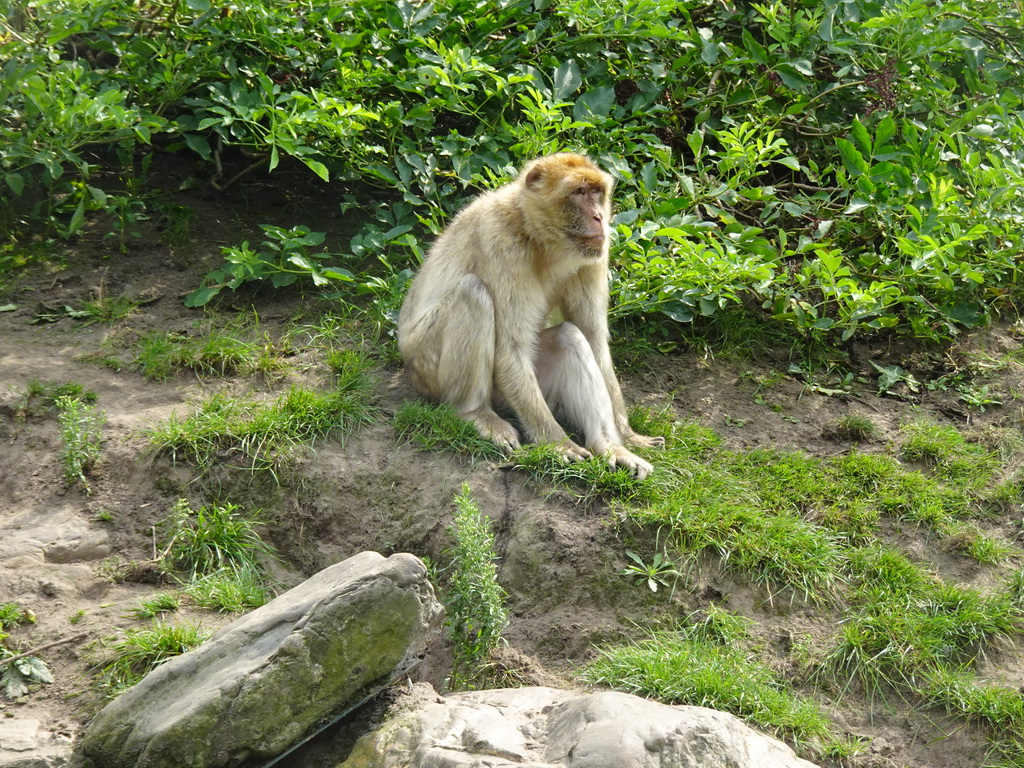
(53, 536)
(548, 728)
(257, 686)
(23, 745)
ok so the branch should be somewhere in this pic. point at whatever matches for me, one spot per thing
(34, 651)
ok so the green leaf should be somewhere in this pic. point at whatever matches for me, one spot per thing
(318, 168)
(755, 50)
(198, 5)
(8, 307)
(860, 133)
(16, 182)
(852, 159)
(198, 144)
(884, 131)
(201, 296)
(567, 80)
(596, 103)
(825, 31)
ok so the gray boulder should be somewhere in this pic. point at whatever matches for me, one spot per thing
(549, 728)
(258, 685)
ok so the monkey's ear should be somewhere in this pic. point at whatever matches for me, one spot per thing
(534, 176)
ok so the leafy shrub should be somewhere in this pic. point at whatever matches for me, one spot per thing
(844, 168)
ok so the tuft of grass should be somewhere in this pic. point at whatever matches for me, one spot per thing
(40, 397)
(136, 652)
(162, 602)
(437, 427)
(109, 309)
(473, 598)
(585, 480)
(229, 590)
(691, 666)
(213, 538)
(958, 462)
(854, 427)
(263, 434)
(82, 432)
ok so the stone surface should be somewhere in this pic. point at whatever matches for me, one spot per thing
(24, 745)
(259, 684)
(548, 728)
(53, 536)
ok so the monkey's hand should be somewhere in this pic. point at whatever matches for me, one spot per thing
(643, 441)
(619, 457)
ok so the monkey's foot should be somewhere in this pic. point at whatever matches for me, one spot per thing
(494, 428)
(571, 451)
(643, 441)
(618, 456)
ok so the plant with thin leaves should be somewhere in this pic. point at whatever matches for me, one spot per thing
(659, 571)
(82, 431)
(162, 602)
(437, 427)
(472, 596)
(214, 537)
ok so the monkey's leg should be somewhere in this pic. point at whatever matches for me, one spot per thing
(452, 358)
(574, 388)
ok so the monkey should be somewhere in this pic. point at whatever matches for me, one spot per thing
(473, 330)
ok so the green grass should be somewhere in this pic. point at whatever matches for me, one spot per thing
(705, 665)
(212, 538)
(437, 427)
(229, 590)
(260, 435)
(162, 602)
(134, 653)
(237, 347)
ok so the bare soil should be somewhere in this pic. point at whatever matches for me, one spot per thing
(560, 560)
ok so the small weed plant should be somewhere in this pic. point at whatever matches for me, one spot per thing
(473, 598)
(17, 676)
(82, 432)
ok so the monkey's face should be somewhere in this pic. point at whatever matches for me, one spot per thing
(586, 215)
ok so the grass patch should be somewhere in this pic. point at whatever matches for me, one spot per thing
(260, 435)
(235, 348)
(162, 602)
(229, 590)
(705, 665)
(136, 652)
(955, 460)
(432, 427)
(213, 538)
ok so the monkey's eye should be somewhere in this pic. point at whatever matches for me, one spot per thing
(579, 191)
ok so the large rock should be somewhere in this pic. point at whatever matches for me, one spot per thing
(549, 728)
(260, 683)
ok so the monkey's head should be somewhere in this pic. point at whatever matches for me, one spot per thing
(572, 197)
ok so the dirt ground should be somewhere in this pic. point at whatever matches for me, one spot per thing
(559, 560)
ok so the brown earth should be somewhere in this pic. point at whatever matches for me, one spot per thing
(560, 560)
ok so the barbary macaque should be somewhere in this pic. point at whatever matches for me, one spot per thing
(473, 329)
